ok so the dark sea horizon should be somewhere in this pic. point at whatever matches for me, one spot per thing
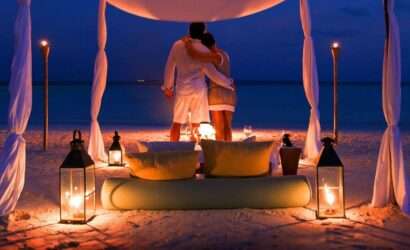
(262, 104)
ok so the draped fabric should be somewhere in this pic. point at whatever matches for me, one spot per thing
(193, 10)
(391, 182)
(96, 144)
(311, 85)
(13, 156)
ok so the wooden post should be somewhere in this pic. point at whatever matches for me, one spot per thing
(45, 49)
(335, 56)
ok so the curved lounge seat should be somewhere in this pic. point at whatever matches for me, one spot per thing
(214, 193)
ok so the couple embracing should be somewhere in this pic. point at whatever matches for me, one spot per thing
(190, 60)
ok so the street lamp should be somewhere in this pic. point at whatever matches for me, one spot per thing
(45, 51)
(335, 48)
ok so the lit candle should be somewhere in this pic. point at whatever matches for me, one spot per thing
(330, 199)
(116, 157)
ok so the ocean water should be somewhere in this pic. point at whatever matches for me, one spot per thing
(260, 104)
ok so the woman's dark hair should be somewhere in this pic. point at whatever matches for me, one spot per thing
(208, 40)
(196, 30)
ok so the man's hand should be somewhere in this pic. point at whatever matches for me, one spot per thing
(168, 92)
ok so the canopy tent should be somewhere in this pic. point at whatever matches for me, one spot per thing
(186, 11)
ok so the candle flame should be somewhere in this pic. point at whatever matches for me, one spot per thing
(75, 202)
(329, 196)
(335, 45)
(116, 156)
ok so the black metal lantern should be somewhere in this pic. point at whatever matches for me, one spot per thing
(330, 183)
(115, 153)
(77, 184)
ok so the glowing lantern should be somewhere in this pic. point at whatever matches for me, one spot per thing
(330, 183)
(77, 184)
(206, 131)
(115, 153)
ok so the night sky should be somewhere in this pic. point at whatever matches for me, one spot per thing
(265, 46)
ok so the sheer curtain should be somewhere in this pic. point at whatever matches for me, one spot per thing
(391, 182)
(96, 145)
(311, 86)
(13, 156)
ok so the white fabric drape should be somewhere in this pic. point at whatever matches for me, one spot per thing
(96, 145)
(391, 181)
(193, 10)
(13, 156)
(311, 85)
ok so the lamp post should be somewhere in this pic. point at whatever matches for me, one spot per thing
(45, 51)
(335, 48)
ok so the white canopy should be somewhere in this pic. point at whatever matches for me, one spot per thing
(13, 156)
(210, 10)
(193, 10)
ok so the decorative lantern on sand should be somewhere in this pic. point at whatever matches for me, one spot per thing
(115, 153)
(77, 184)
(330, 183)
(206, 131)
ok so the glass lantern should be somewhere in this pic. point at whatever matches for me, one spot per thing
(115, 153)
(330, 183)
(77, 184)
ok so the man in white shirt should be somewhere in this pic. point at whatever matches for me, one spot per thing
(191, 93)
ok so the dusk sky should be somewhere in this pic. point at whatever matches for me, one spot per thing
(265, 46)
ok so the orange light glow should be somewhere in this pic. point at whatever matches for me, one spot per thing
(335, 45)
(44, 43)
(330, 197)
(206, 131)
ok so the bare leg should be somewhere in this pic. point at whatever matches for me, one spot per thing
(194, 132)
(218, 123)
(175, 131)
(228, 115)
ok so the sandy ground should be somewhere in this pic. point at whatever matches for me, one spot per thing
(34, 224)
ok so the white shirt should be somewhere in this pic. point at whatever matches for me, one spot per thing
(190, 73)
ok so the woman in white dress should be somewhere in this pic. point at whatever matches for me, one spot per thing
(221, 101)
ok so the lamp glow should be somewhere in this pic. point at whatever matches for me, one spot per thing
(335, 45)
(43, 43)
(75, 202)
(206, 131)
(329, 196)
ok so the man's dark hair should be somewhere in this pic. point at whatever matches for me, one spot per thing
(196, 30)
(208, 40)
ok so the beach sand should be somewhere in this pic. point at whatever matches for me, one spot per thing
(34, 223)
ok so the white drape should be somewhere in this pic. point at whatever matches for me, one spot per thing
(311, 85)
(391, 181)
(193, 10)
(13, 156)
(96, 145)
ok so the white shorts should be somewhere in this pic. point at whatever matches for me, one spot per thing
(196, 103)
